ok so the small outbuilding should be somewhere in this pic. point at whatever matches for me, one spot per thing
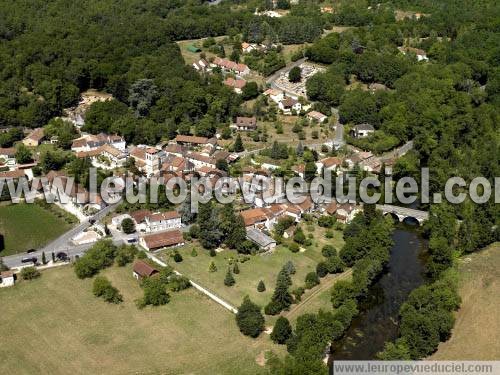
(142, 270)
(265, 242)
(362, 130)
(7, 278)
(193, 48)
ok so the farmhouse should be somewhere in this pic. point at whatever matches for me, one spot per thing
(289, 104)
(236, 84)
(190, 140)
(362, 130)
(245, 123)
(163, 221)
(91, 142)
(228, 66)
(34, 138)
(317, 116)
(202, 65)
(141, 270)
(106, 157)
(161, 240)
(275, 95)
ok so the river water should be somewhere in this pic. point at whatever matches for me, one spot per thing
(378, 319)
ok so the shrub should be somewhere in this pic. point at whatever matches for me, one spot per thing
(299, 236)
(212, 252)
(312, 280)
(178, 283)
(177, 257)
(194, 253)
(194, 230)
(29, 273)
(261, 287)
(294, 247)
(249, 318)
(128, 226)
(125, 255)
(297, 293)
(212, 267)
(289, 268)
(229, 279)
(272, 308)
(141, 255)
(236, 269)
(329, 234)
(103, 288)
(322, 269)
(334, 264)
(155, 292)
(282, 330)
(100, 256)
(328, 251)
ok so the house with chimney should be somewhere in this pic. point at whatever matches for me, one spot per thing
(245, 123)
(34, 138)
(91, 142)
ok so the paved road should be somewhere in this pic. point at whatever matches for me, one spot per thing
(62, 243)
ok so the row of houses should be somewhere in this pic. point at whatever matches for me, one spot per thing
(226, 66)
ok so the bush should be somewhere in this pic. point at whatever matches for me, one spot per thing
(194, 253)
(212, 267)
(128, 226)
(29, 273)
(229, 279)
(297, 293)
(177, 257)
(334, 264)
(236, 269)
(249, 318)
(194, 230)
(178, 283)
(155, 292)
(289, 268)
(329, 234)
(282, 330)
(294, 247)
(322, 269)
(261, 287)
(272, 308)
(326, 221)
(312, 280)
(299, 236)
(103, 288)
(141, 255)
(328, 251)
(212, 252)
(125, 255)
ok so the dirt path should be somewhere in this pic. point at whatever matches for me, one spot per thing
(315, 292)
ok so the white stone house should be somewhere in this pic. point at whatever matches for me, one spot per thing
(362, 130)
(163, 221)
(289, 104)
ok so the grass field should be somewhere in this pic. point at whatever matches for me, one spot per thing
(260, 267)
(26, 226)
(475, 335)
(54, 325)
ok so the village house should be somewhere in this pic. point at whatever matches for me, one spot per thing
(105, 157)
(174, 149)
(7, 278)
(202, 65)
(275, 95)
(91, 142)
(147, 159)
(200, 160)
(174, 163)
(14, 174)
(162, 221)
(160, 240)
(142, 270)
(362, 130)
(317, 116)
(345, 212)
(331, 163)
(191, 140)
(35, 138)
(420, 53)
(236, 84)
(289, 105)
(299, 170)
(247, 47)
(8, 157)
(228, 66)
(245, 124)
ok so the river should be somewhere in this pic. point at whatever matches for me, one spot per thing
(378, 319)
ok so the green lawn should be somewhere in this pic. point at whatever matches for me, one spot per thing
(259, 267)
(54, 325)
(26, 226)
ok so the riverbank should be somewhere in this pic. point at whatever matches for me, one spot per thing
(378, 320)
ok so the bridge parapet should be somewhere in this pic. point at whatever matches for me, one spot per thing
(403, 213)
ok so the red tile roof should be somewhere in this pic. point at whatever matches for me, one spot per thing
(163, 239)
(143, 269)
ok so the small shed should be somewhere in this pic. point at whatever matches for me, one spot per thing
(142, 270)
(261, 239)
(7, 278)
(193, 48)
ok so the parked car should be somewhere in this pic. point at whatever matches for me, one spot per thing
(62, 256)
(29, 260)
(132, 240)
(31, 251)
(92, 221)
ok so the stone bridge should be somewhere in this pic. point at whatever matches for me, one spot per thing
(403, 213)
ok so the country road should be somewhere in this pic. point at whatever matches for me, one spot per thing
(61, 243)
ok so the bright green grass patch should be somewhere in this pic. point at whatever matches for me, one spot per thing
(55, 325)
(26, 226)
